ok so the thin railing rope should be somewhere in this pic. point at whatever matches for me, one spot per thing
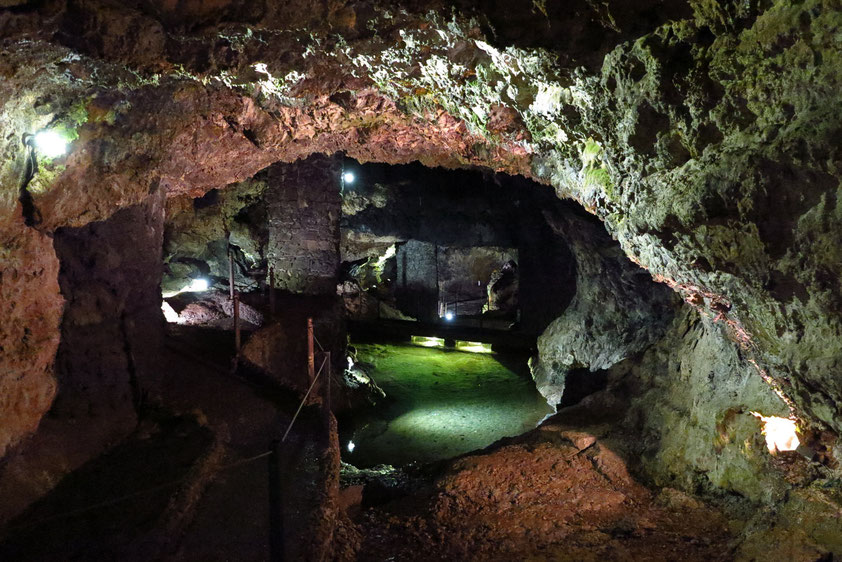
(234, 464)
(113, 501)
(303, 400)
(318, 343)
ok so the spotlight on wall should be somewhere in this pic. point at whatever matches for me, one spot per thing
(349, 177)
(781, 433)
(50, 144)
(473, 346)
(198, 285)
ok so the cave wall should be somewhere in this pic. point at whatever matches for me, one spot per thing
(617, 311)
(708, 144)
(464, 273)
(416, 286)
(724, 130)
(104, 365)
(199, 232)
(31, 307)
(692, 395)
(303, 208)
(112, 328)
(681, 414)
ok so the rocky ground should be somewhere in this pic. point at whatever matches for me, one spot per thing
(554, 494)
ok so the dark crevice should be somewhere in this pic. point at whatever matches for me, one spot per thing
(134, 383)
(31, 214)
(252, 137)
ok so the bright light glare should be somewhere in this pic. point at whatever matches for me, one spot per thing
(50, 144)
(169, 313)
(348, 177)
(427, 342)
(198, 285)
(195, 286)
(780, 433)
(448, 316)
(351, 446)
(473, 346)
(350, 363)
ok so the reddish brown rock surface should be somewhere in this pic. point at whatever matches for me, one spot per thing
(555, 494)
(31, 308)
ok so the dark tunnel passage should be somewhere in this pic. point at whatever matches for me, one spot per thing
(339, 238)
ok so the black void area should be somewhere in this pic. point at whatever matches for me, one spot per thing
(443, 221)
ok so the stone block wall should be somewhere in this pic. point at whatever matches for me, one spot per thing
(416, 287)
(304, 206)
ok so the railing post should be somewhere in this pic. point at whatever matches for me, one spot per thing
(311, 360)
(272, 292)
(236, 298)
(230, 274)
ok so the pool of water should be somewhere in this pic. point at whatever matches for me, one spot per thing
(440, 403)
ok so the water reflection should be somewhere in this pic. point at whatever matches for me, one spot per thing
(441, 403)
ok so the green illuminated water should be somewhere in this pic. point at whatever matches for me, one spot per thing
(440, 403)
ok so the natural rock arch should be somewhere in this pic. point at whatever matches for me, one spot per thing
(686, 143)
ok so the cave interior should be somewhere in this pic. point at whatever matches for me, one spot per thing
(449, 280)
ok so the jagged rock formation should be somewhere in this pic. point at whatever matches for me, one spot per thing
(199, 233)
(493, 505)
(502, 289)
(616, 313)
(705, 134)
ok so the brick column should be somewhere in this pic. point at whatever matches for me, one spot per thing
(304, 206)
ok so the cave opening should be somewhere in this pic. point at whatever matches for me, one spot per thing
(458, 255)
(474, 261)
(481, 264)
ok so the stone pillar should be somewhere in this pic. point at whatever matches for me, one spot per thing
(112, 329)
(417, 284)
(304, 206)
